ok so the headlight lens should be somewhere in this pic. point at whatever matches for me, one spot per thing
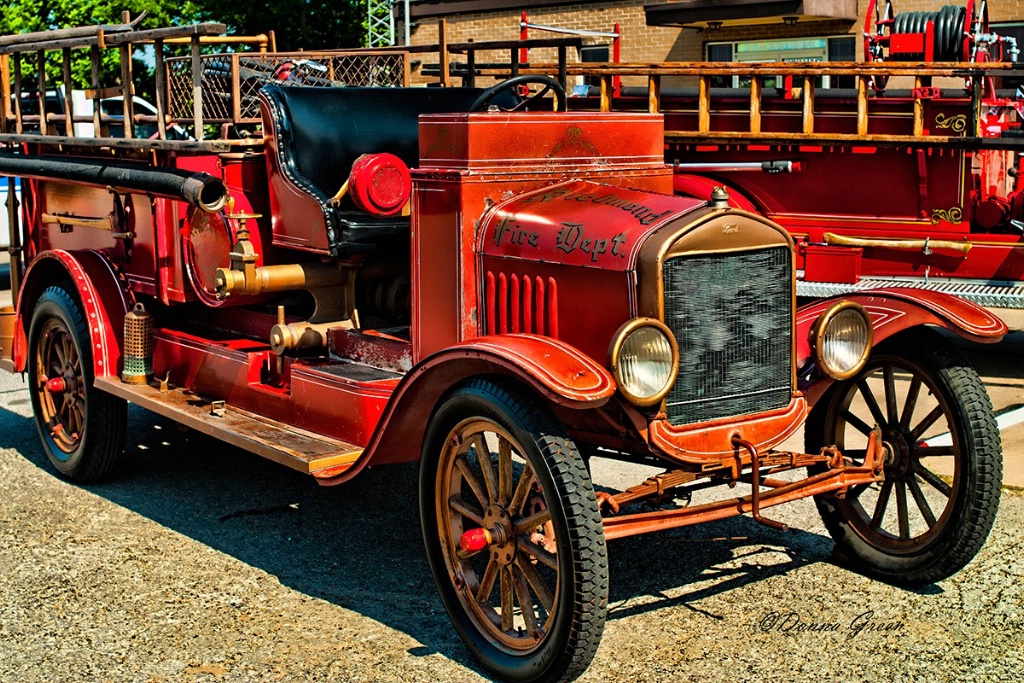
(842, 340)
(645, 360)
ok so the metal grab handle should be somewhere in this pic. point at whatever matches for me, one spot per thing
(108, 223)
(739, 442)
(925, 245)
(104, 223)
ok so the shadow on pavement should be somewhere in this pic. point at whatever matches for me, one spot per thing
(729, 554)
(995, 362)
(358, 545)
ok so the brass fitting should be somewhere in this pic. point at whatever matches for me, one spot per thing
(304, 336)
(234, 280)
(720, 198)
(332, 285)
(250, 280)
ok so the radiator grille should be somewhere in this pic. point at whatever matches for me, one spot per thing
(733, 317)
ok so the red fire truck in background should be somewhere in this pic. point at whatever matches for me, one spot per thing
(478, 279)
(907, 174)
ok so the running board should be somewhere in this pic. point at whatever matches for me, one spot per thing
(301, 450)
(991, 296)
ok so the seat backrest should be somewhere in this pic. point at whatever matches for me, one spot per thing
(322, 131)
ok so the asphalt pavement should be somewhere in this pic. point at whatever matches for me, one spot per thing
(200, 562)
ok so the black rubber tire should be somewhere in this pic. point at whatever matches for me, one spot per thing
(953, 537)
(92, 456)
(581, 598)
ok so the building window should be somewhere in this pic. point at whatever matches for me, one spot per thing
(593, 53)
(842, 49)
(824, 49)
(1015, 31)
(720, 52)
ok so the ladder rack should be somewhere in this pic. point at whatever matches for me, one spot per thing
(801, 98)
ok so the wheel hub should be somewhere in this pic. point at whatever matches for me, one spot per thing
(897, 453)
(503, 537)
(55, 385)
(70, 378)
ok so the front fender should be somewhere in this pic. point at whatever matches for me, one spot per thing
(559, 373)
(893, 310)
(102, 291)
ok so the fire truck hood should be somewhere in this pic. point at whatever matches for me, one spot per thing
(579, 223)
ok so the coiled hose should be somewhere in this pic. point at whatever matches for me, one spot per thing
(948, 31)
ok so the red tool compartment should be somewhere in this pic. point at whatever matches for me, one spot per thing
(471, 161)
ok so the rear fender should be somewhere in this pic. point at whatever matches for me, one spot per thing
(102, 291)
(560, 374)
(893, 310)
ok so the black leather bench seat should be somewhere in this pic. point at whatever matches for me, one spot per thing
(320, 132)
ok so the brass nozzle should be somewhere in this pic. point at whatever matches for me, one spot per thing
(304, 336)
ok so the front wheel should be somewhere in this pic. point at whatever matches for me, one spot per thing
(530, 601)
(943, 463)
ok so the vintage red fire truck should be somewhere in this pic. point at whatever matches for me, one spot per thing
(494, 286)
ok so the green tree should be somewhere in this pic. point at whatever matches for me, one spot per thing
(297, 24)
(24, 16)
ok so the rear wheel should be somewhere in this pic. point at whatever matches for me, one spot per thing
(943, 464)
(82, 428)
(531, 602)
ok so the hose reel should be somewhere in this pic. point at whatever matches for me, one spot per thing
(947, 33)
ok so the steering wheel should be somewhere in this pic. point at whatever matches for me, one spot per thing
(513, 84)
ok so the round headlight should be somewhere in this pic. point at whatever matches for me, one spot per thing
(645, 360)
(842, 340)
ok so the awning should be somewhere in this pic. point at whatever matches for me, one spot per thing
(420, 9)
(699, 13)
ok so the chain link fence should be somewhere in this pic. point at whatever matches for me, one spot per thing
(230, 82)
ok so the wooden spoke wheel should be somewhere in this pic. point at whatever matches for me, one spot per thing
(513, 535)
(943, 468)
(61, 386)
(82, 429)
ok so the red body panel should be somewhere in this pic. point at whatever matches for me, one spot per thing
(579, 223)
(701, 186)
(470, 162)
(555, 370)
(503, 143)
(566, 254)
(297, 222)
(581, 306)
(53, 197)
(234, 371)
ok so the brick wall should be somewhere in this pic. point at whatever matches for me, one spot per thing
(643, 43)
